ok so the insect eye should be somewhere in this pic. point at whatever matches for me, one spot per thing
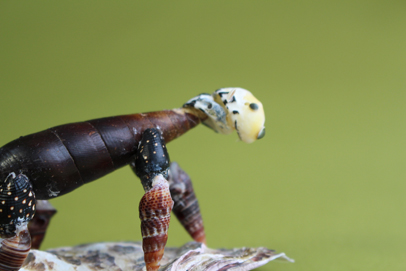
(254, 106)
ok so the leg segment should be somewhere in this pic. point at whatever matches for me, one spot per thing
(151, 165)
(39, 224)
(155, 211)
(14, 250)
(186, 207)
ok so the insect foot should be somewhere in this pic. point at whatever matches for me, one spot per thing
(155, 210)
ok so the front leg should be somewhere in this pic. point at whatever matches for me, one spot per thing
(155, 213)
(152, 167)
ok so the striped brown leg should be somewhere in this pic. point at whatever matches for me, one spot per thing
(155, 211)
(39, 224)
(14, 250)
(186, 207)
(151, 165)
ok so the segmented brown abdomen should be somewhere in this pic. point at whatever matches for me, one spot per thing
(62, 158)
(155, 210)
(14, 250)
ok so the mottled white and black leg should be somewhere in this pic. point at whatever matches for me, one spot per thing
(186, 207)
(151, 165)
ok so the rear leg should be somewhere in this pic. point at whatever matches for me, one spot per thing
(39, 224)
(186, 208)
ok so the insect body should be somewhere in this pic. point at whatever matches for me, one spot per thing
(61, 159)
(58, 160)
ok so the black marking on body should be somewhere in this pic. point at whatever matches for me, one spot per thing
(221, 93)
(254, 106)
(152, 157)
(236, 128)
(233, 100)
(235, 112)
(192, 103)
(261, 133)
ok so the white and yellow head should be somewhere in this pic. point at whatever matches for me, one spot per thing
(229, 109)
(245, 112)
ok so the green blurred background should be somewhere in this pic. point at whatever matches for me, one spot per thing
(327, 183)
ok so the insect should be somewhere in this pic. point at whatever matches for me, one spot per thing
(53, 162)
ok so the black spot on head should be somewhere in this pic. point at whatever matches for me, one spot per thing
(209, 106)
(236, 128)
(222, 93)
(254, 106)
(233, 99)
(191, 103)
(235, 112)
